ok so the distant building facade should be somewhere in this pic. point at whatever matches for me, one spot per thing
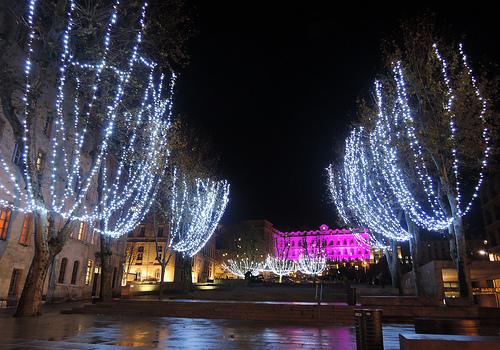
(490, 207)
(142, 265)
(333, 244)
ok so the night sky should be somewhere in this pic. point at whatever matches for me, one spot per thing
(275, 84)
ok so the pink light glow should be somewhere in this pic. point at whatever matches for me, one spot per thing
(333, 244)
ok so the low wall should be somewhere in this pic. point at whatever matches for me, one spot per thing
(147, 288)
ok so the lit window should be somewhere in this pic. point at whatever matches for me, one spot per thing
(88, 277)
(25, 233)
(93, 237)
(50, 227)
(40, 161)
(81, 231)
(4, 221)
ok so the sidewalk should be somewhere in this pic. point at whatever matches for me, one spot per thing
(53, 330)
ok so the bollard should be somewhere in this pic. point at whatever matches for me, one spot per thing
(368, 329)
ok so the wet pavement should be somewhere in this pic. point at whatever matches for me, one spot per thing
(53, 330)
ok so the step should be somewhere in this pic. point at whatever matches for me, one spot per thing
(251, 311)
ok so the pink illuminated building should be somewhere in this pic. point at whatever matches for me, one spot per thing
(336, 244)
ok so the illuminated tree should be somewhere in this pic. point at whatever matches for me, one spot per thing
(193, 210)
(241, 267)
(446, 141)
(414, 147)
(279, 263)
(312, 256)
(361, 190)
(311, 264)
(86, 173)
(280, 266)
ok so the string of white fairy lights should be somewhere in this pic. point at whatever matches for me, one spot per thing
(337, 185)
(126, 194)
(367, 195)
(391, 125)
(485, 134)
(241, 267)
(350, 189)
(395, 127)
(194, 211)
(205, 204)
(280, 265)
(311, 262)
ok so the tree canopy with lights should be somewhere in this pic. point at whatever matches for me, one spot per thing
(427, 132)
(193, 208)
(107, 148)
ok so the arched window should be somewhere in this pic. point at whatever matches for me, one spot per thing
(62, 270)
(75, 272)
(4, 221)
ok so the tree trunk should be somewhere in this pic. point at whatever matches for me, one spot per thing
(163, 266)
(394, 266)
(415, 263)
(31, 296)
(461, 264)
(106, 292)
(187, 285)
(463, 268)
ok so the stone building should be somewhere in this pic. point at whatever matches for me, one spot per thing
(75, 271)
(141, 264)
(490, 207)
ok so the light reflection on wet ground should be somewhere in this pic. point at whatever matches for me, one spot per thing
(54, 330)
(57, 331)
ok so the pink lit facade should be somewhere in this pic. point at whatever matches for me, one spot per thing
(337, 245)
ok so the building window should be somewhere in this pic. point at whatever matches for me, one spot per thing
(160, 232)
(92, 236)
(16, 157)
(142, 231)
(62, 270)
(81, 231)
(140, 252)
(113, 281)
(25, 233)
(75, 272)
(159, 252)
(50, 228)
(40, 161)
(47, 128)
(2, 125)
(4, 221)
(14, 282)
(88, 277)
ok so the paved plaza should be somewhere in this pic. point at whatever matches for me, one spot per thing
(53, 330)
